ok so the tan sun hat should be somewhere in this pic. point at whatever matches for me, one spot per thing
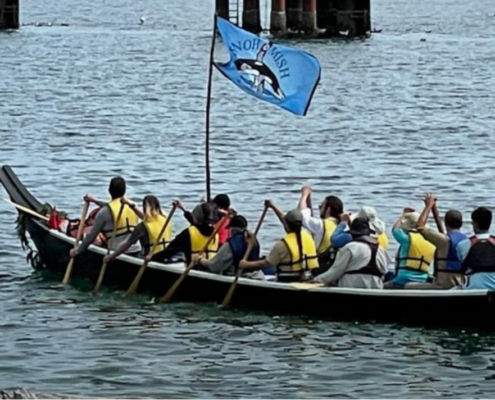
(376, 224)
(409, 221)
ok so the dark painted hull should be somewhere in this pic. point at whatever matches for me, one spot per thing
(438, 308)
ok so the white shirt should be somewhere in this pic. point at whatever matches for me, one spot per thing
(314, 225)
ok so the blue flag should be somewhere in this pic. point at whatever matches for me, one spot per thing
(277, 74)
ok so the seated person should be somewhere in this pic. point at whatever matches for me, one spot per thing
(230, 255)
(294, 255)
(414, 260)
(362, 263)
(192, 240)
(341, 237)
(478, 252)
(147, 232)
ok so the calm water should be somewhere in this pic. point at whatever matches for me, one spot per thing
(393, 116)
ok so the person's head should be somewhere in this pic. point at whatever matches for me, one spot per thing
(151, 206)
(117, 187)
(409, 221)
(482, 219)
(238, 223)
(453, 220)
(203, 214)
(331, 207)
(222, 202)
(294, 220)
(369, 213)
(360, 227)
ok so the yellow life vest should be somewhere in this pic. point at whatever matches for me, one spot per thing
(198, 241)
(383, 240)
(299, 262)
(420, 256)
(154, 226)
(329, 226)
(127, 222)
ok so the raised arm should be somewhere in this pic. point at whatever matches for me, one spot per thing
(91, 199)
(133, 206)
(305, 197)
(429, 200)
(278, 211)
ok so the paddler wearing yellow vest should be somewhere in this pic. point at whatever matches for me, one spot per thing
(191, 240)
(415, 257)
(147, 232)
(106, 218)
(294, 257)
(322, 228)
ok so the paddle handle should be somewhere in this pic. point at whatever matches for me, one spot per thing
(438, 220)
(82, 223)
(170, 293)
(110, 242)
(27, 210)
(135, 283)
(252, 241)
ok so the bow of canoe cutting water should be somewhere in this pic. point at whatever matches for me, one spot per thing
(403, 112)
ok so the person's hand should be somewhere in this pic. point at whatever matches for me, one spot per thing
(429, 200)
(243, 264)
(73, 253)
(195, 259)
(269, 203)
(408, 210)
(89, 198)
(345, 218)
(108, 259)
(232, 212)
(178, 204)
(306, 190)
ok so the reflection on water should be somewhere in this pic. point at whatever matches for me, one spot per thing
(392, 118)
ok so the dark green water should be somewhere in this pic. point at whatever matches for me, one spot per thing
(393, 117)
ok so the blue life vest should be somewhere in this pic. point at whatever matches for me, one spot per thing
(238, 244)
(454, 265)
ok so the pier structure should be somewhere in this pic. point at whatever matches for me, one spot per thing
(9, 14)
(308, 18)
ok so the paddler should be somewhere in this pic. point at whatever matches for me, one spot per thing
(106, 217)
(229, 256)
(323, 227)
(147, 232)
(414, 261)
(294, 257)
(361, 263)
(191, 240)
(448, 266)
(478, 252)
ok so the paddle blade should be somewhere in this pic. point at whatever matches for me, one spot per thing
(306, 286)
(68, 272)
(135, 283)
(230, 293)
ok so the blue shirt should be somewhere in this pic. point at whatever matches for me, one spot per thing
(405, 276)
(340, 237)
(482, 280)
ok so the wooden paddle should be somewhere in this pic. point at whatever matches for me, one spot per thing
(68, 271)
(110, 242)
(134, 285)
(438, 220)
(252, 241)
(27, 210)
(170, 293)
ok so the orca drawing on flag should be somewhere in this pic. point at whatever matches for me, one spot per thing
(258, 74)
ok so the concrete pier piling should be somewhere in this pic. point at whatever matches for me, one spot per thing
(9, 14)
(251, 20)
(278, 18)
(309, 18)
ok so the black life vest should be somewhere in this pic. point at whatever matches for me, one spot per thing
(481, 256)
(238, 245)
(371, 268)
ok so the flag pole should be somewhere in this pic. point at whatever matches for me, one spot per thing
(208, 103)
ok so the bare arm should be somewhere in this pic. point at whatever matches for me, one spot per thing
(260, 264)
(429, 204)
(305, 198)
(278, 211)
(133, 206)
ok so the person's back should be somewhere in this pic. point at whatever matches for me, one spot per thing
(106, 219)
(362, 263)
(478, 252)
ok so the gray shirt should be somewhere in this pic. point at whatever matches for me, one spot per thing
(352, 257)
(104, 223)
